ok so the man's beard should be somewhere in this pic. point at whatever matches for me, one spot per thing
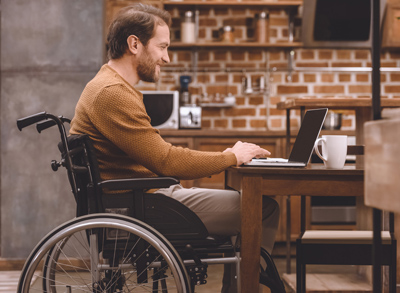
(146, 68)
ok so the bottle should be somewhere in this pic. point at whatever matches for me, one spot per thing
(262, 28)
(188, 30)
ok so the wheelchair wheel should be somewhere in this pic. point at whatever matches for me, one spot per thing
(104, 253)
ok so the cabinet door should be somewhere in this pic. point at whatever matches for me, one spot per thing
(220, 144)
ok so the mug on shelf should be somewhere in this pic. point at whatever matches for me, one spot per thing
(334, 150)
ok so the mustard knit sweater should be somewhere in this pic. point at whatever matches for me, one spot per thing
(112, 113)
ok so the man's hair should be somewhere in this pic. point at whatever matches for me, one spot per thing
(138, 19)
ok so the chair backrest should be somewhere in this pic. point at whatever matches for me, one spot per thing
(83, 174)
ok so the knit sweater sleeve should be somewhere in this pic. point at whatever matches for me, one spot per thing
(120, 115)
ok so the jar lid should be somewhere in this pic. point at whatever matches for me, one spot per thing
(227, 28)
(188, 14)
(263, 15)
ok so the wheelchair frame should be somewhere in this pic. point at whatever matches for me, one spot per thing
(155, 234)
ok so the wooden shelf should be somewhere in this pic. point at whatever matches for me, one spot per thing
(209, 3)
(241, 45)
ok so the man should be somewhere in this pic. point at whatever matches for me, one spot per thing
(112, 113)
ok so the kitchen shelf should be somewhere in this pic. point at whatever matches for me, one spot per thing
(240, 45)
(268, 4)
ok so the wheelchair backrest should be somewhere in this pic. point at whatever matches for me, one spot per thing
(83, 173)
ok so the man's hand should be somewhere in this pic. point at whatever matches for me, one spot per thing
(244, 152)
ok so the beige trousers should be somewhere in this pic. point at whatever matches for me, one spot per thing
(220, 212)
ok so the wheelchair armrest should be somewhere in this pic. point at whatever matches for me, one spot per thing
(138, 183)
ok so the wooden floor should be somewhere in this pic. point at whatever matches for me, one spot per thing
(327, 279)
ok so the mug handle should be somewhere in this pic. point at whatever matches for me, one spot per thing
(317, 150)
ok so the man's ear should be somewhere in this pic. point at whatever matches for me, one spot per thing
(133, 44)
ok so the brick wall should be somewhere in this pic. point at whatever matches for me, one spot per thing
(221, 71)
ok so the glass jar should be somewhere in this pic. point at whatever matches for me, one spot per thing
(188, 29)
(262, 27)
(226, 34)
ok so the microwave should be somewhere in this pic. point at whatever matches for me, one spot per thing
(162, 108)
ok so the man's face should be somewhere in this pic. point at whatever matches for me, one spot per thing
(154, 55)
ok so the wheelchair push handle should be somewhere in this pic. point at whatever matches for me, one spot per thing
(49, 123)
(26, 121)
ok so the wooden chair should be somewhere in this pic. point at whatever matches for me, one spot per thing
(342, 247)
(382, 184)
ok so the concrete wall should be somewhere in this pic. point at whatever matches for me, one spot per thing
(50, 49)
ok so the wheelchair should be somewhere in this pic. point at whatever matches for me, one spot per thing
(122, 239)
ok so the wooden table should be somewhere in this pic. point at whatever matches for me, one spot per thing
(254, 182)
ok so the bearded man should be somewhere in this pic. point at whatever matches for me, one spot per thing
(111, 111)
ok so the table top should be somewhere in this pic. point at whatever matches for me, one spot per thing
(311, 169)
(335, 103)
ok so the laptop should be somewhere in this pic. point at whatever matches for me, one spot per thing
(303, 146)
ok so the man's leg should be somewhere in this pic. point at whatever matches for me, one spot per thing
(220, 212)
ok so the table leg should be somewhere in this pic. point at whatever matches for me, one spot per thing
(288, 235)
(251, 217)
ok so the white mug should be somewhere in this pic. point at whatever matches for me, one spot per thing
(334, 150)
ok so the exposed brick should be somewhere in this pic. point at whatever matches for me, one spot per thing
(276, 123)
(204, 56)
(360, 89)
(289, 89)
(274, 100)
(327, 77)
(395, 77)
(346, 64)
(238, 11)
(258, 123)
(238, 33)
(255, 55)
(263, 112)
(202, 33)
(307, 55)
(205, 123)
(274, 56)
(221, 78)
(325, 54)
(236, 21)
(208, 22)
(387, 64)
(278, 21)
(203, 78)
(220, 55)
(211, 112)
(221, 123)
(313, 64)
(294, 77)
(274, 111)
(237, 56)
(220, 11)
(329, 89)
(256, 101)
(344, 77)
(273, 32)
(184, 56)
(240, 101)
(294, 122)
(362, 77)
(240, 112)
(362, 54)
(219, 89)
(343, 54)
(239, 123)
(309, 77)
(392, 89)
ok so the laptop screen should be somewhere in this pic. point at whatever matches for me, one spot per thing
(308, 133)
